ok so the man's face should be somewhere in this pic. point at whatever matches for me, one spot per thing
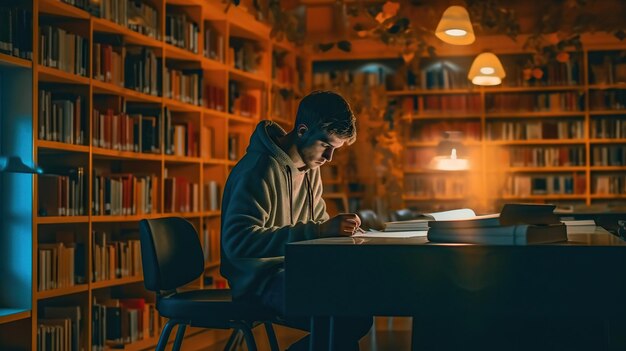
(316, 146)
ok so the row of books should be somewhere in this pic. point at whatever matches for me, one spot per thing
(553, 74)
(281, 104)
(607, 100)
(59, 328)
(608, 184)
(64, 194)
(233, 147)
(142, 70)
(139, 16)
(340, 79)
(114, 259)
(180, 195)
(124, 194)
(125, 132)
(282, 72)
(214, 97)
(213, 43)
(422, 131)
(108, 64)
(16, 32)
(607, 69)
(435, 186)
(535, 130)
(242, 101)
(245, 54)
(63, 50)
(608, 155)
(181, 31)
(181, 138)
(608, 128)
(416, 105)
(116, 322)
(61, 117)
(535, 102)
(59, 264)
(183, 85)
(440, 75)
(560, 156)
(526, 185)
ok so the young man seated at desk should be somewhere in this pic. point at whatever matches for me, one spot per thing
(273, 196)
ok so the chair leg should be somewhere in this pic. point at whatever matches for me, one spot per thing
(180, 335)
(271, 336)
(232, 340)
(247, 334)
(165, 335)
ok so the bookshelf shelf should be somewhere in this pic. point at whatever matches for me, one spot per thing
(209, 64)
(536, 142)
(62, 219)
(435, 143)
(55, 145)
(120, 219)
(529, 114)
(607, 86)
(53, 75)
(56, 7)
(442, 115)
(242, 119)
(176, 53)
(280, 85)
(608, 168)
(8, 315)
(130, 36)
(607, 141)
(115, 282)
(100, 87)
(545, 197)
(212, 213)
(607, 196)
(182, 159)
(15, 61)
(542, 169)
(179, 106)
(215, 161)
(116, 154)
(215, 113)
(607, 112)
(254, 79)
(505, 89)
(47, 294)
(188, 215)
(432, 92)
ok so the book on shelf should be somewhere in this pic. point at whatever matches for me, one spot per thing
(65, 192)
(71, 313)
(213, 43)
(142, 70)
(64, 50)
(16, 31)
(54, 334)
(181, 31)
(180, 195)
(211, 196)
(61, 117)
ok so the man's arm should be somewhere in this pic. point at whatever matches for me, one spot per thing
(319, 205)
(246, 233)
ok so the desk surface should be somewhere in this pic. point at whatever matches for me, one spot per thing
(413, 277)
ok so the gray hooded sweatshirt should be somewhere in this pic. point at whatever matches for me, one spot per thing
(267, 203)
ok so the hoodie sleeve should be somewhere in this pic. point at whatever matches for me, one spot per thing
(244, 230)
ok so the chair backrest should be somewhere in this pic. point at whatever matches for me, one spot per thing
(171, 253)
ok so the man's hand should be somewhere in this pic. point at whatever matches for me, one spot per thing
(343, 224)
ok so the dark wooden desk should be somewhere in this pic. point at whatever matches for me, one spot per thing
(581, 278)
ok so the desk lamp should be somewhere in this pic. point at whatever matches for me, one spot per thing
(14, 164)
(450, 154)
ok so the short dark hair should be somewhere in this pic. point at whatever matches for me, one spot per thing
(328, 111)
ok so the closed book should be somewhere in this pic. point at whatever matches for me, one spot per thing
(520, 234)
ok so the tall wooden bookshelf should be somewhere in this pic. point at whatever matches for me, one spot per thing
(528, 140)
(134, 119)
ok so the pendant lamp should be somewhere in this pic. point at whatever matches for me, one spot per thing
(486, 70)
(455, 27)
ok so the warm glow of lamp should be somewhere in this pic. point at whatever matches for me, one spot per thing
(443, 162)
(486, 70)
(455, 27)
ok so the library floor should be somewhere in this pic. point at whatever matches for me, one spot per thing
(394, 335)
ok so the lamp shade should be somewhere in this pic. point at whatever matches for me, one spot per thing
(455, 27)
(486, 70)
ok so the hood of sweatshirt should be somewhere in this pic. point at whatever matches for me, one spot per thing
(263, 141)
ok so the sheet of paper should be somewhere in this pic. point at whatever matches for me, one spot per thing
(404, 234)
(463, 213)
(587, 222)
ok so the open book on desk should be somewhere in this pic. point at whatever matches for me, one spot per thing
(422, 222)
